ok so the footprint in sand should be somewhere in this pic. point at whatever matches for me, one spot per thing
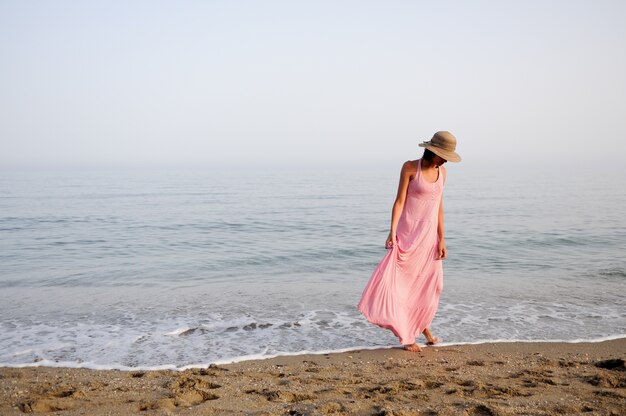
(190, 391)
(43, 406)
(280, 395)
(607, 380)
(613, 364)
(482, 410)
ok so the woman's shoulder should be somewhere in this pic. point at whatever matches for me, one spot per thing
(410, 167)
(410, 164)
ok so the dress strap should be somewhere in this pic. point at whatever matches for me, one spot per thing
(419, 170)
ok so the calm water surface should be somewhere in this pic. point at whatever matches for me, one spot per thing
(147, 268)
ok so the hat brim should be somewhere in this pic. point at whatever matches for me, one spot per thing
(445, 154)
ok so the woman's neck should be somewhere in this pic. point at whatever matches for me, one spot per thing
(428, 164)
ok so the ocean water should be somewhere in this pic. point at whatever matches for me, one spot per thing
(168, 268)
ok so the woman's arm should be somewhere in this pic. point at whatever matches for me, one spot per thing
(398, 205)
(442, 251)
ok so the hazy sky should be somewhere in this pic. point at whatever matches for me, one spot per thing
(213, 82)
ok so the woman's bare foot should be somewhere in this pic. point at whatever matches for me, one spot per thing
(434, 341)
(431, 340)
(413, 348)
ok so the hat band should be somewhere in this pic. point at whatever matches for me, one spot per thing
(447, 149)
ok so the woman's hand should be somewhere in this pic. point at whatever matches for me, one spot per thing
(391, 240)
(442, 251)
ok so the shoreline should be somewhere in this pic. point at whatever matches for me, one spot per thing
(546, 378)
(258, 357)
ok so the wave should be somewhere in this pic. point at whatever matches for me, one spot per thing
(256, 357)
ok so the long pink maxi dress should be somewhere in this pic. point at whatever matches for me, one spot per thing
(403, 293)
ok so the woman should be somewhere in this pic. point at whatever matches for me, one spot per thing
(403, 292)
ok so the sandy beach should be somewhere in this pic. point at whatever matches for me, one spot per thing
(486, 379)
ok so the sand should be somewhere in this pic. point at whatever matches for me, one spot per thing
(486, 379)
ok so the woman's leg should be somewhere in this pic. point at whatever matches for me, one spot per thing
(430, 338)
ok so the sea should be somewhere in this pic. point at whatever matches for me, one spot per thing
(170, 267)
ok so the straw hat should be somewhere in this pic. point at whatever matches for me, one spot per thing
(443, 144)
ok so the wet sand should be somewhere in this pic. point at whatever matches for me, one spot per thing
(486, 379)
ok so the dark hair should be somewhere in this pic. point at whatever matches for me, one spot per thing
(428, 155)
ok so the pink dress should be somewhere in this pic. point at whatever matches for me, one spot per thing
(403, 293)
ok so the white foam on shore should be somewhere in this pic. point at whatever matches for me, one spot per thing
(256, 357)
(178, 331)
(90, 366)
